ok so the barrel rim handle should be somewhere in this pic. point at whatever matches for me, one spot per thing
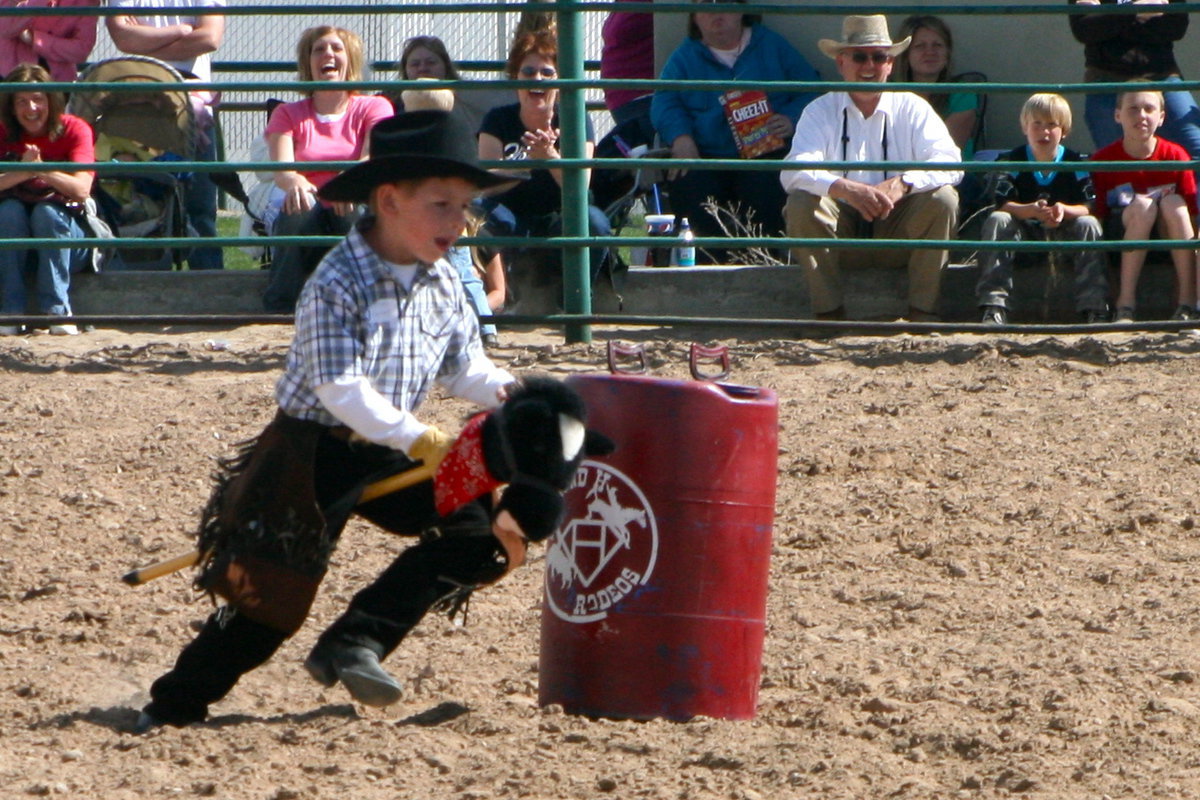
(618, 350)
(718, 353)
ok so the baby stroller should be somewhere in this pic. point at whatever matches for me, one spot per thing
(154, 125)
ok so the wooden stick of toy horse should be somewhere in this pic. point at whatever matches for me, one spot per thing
(393, 483)
(531, 446)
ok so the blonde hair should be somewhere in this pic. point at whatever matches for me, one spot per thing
(427, 99)
(354, 52)
(1047, 106)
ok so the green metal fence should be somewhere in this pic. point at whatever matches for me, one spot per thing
(575, 79)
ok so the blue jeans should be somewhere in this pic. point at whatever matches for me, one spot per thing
(996, 267)
(291, 264)
(54, 266)
(460, 257)
(200, 207)
(1182, 126)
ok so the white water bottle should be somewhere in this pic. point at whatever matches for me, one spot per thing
(685, 249)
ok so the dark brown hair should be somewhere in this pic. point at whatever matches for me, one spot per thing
(57, 101)
(434, 45)
(693, 30)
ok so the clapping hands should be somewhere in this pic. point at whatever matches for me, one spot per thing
(541, 144)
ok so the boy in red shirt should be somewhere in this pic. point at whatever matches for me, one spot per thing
(1138, 200)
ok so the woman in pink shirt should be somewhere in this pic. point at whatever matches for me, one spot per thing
(329, 125)
(57, 43)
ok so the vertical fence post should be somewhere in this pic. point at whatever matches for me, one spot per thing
(577, 285)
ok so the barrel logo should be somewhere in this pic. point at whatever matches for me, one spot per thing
(606, 548)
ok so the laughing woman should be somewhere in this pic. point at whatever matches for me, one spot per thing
(329, 125)
(43, 205)
(528, 131)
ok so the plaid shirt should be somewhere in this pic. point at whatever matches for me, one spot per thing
(354, 319)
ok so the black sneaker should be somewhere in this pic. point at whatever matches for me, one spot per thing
(1095, 316)
(319, 665)
(1124, 314)
(995, 315)
(1183, 314)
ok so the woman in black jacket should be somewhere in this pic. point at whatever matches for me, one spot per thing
(1125, 47)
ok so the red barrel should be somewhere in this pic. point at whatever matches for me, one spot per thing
(655, 587)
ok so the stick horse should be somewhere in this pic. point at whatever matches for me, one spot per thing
(267, 562)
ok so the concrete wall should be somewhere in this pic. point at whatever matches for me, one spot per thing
(1010, 48)
(873, 291)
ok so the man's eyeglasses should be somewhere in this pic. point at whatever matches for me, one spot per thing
(532, 72)
(859, 57)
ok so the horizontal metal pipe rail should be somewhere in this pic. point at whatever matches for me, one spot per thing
(555, 242)
(336, 10)
(1011, 87)
(800, 326)
(596, 83)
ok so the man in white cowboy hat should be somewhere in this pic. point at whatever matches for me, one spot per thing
(870, 125)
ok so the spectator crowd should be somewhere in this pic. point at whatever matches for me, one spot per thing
(929, 133)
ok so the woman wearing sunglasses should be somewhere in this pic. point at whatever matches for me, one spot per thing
(528, 131)
(737, 49)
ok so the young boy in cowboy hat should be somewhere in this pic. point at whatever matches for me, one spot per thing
(381, 319)
(863, 123)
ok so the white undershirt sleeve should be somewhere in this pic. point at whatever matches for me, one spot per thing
(480, 382)
(369, 414)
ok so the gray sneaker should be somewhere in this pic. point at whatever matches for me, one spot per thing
(1124, 314)
(359, 671)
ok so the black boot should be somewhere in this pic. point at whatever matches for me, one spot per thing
(229, 646)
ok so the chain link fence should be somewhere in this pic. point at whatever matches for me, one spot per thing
(474, 36)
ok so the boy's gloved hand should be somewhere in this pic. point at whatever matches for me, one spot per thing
(431, 446)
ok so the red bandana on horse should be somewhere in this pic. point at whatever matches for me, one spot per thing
(463, 475)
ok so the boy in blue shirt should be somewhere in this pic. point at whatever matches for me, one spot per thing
(1043, 205)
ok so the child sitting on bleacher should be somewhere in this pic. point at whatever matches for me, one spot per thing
(1043, 205)
(1133, 202)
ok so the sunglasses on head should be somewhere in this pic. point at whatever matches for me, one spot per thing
(545, 72)
(859, 57)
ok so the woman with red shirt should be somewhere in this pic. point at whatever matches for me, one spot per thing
(43, 205)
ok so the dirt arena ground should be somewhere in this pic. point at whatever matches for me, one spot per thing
(983, 584)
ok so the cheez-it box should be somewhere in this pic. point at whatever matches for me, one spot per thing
(748, 111)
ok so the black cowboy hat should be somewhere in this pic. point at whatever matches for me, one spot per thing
(415, 144)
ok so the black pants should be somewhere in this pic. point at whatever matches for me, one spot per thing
(454, 551)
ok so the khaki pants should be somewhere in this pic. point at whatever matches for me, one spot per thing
(925, 215)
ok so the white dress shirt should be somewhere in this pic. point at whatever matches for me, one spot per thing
(904, 127)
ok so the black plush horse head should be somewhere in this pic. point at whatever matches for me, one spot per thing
(534, 442)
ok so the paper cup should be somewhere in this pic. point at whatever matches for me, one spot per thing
(660, 224)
